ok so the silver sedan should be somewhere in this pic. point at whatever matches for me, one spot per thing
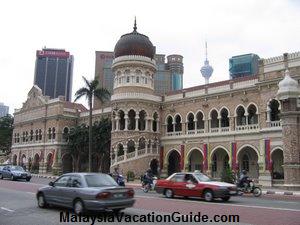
(86, 191)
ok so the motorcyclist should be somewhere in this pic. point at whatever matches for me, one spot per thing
(148, 177)
(243, 180)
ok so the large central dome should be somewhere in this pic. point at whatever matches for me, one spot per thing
(134, 43)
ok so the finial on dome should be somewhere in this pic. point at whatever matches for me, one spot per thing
(134, 27)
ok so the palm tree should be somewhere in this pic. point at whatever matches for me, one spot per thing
(90, 91)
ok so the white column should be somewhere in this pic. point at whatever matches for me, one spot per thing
(136, 149)
(125, 152)
(113, 124)
(151, 124)
(146, 125)
(174, 126)
(117, 123)
(157, 125)
(126, 121)
(136, 122)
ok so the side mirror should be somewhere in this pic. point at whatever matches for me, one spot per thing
(51, 184)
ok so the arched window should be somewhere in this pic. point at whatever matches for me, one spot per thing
(40, 134)
(214, 119)
(224, 118)
(31, 135)
(241, 118)
(200, 121)
(252, 114)
(65, 134)
(245, 162)
(154, 122)
(49, 133)
(142, 120)
(120, 150)
(131, 118)
(53, 133)
(130, 146)
(36, 135)
(170, 124)
(191, 123)
(142, 143)
(26, 136)
(274, 110)
(122, 120)
(178, 123)
(23, 136)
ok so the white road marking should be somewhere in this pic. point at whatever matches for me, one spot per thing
(32, 193)
(6, 209)
(223, 204)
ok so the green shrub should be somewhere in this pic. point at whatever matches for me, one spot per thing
(130, 176)
(227, 175)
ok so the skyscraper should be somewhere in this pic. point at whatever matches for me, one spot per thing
(54, 72)
(3, 110)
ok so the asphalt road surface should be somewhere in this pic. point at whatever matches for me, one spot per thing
(18, 207)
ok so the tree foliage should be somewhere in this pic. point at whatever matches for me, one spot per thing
(6, 131)
(78, 139)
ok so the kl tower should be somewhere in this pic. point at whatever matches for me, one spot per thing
(206, 70)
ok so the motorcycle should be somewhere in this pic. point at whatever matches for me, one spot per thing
(120, 180)
(147, 186)
(249, 187)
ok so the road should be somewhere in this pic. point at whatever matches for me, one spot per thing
(18, 207)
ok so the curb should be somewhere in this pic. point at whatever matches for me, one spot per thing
(44, 176)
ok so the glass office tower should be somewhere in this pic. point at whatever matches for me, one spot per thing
(54, 72)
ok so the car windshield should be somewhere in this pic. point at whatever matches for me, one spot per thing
(99, 180)
(16, 168)
(202, 177)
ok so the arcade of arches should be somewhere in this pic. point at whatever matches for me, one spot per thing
(247, 159)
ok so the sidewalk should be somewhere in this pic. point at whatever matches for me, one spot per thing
(137, 184)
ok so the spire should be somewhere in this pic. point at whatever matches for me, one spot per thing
(134, 27)
(205, 50)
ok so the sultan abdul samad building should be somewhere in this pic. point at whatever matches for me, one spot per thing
(250, 123)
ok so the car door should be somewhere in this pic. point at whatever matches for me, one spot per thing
(191, 186)
(57, 193)
(5, 172)
(73, 190)
(177, 184)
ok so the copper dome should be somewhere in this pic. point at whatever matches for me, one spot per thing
(134, 43)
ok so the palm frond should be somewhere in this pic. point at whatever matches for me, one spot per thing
(102, 94)
(81, 92)
(87, 83)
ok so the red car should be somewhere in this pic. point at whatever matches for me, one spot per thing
(189, 184)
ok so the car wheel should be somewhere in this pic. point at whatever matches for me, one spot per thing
(41, 201)
(117, 211)
(1, 176)
(225, 199)
(208, 195)
(12, 177)
(78, 207)
(28, 179)
(169, 193)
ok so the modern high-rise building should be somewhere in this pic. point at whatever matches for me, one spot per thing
(168, 77)
(3, 110)
(243, 65)
(54, 72)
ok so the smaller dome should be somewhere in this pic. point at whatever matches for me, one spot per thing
(288, 87)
